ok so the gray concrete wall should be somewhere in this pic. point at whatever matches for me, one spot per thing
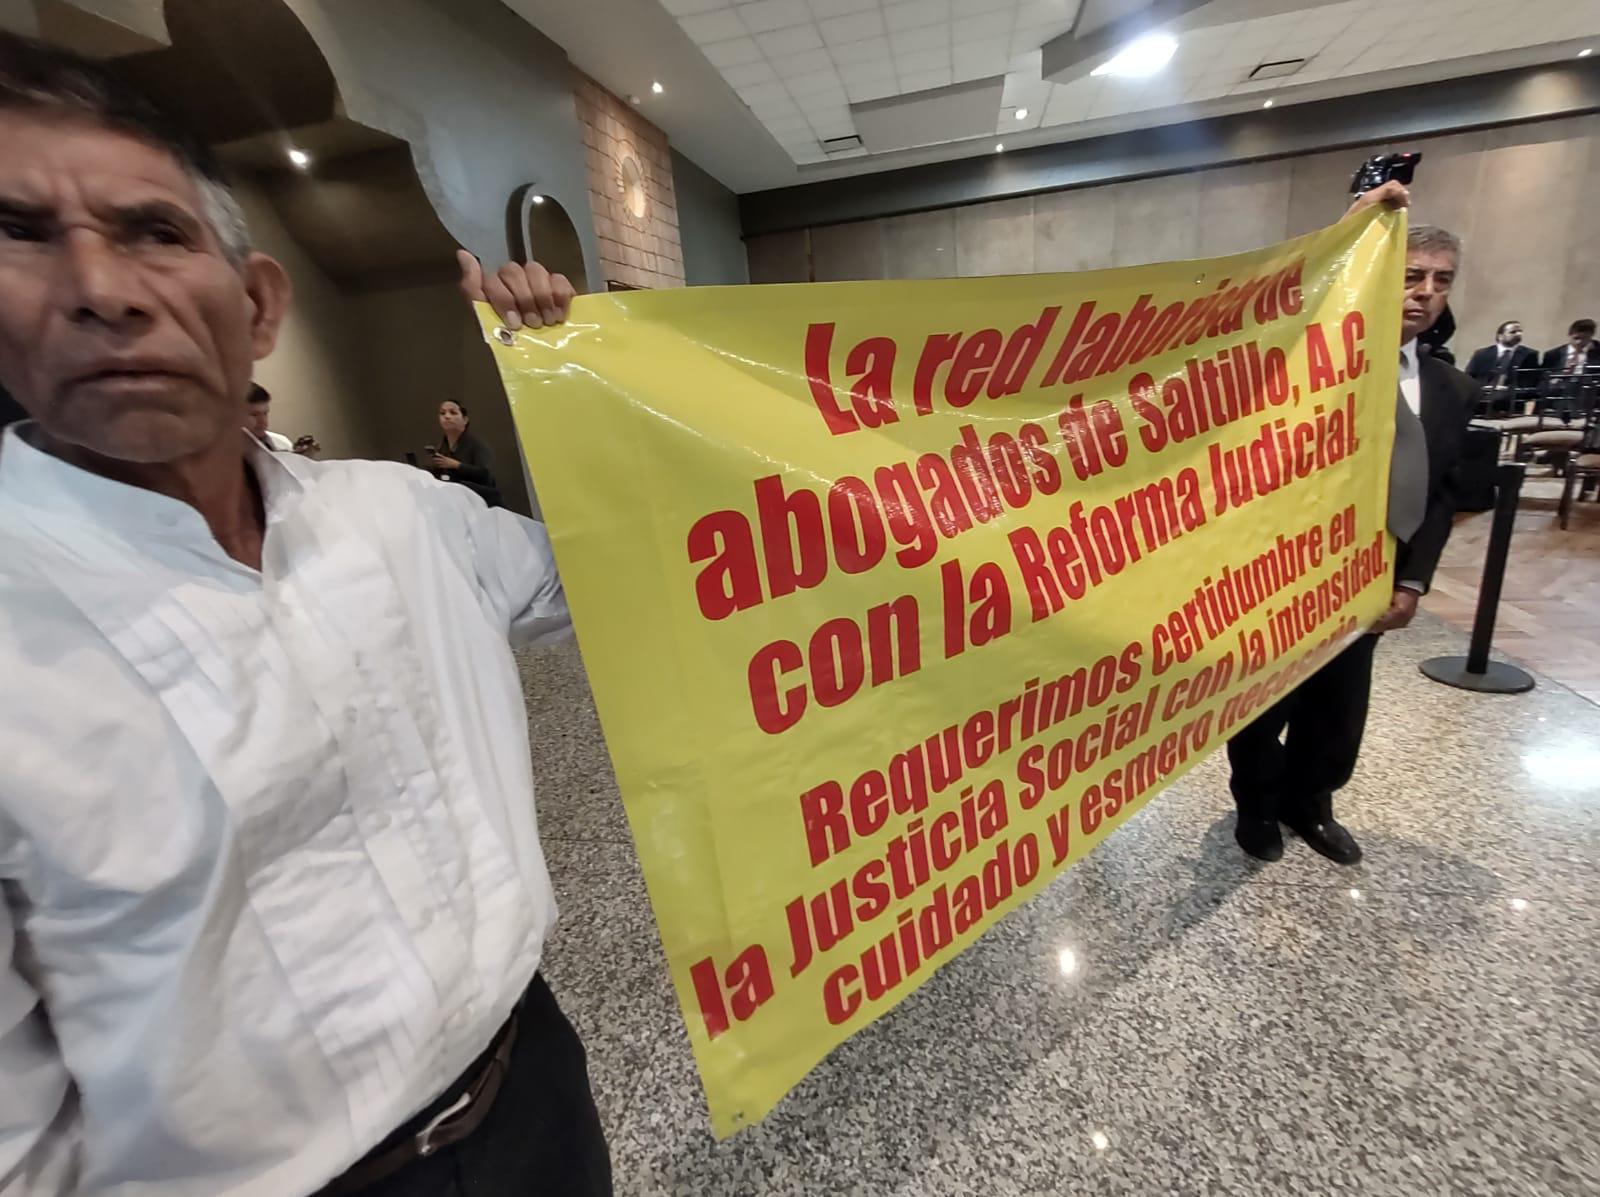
(483, 98)
(318, 374)
(708, 227)
(1520, 196)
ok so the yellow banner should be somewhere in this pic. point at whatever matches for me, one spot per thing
(898, 597)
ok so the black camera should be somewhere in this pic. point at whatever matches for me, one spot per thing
(1377, 171)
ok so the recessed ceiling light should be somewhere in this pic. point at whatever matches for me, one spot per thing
(1355, 895)
(657, 88)
(1585, 52)
(1100, 1140)
(1022, 114)
(999, 147)
(1519, 903)
(538, 199)
(1067, 962)
(633, 99)
(1139, 58)
(1267, 104)
(299, 158)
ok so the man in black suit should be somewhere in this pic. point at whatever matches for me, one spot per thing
(1579, 353)
(1496, 366)
(1292, 779)
(1565, 364)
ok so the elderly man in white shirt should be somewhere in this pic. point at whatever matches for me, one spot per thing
(273, 895)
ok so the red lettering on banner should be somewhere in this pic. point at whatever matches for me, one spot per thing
(819, 344)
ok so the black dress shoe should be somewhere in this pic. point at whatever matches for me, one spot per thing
(1260, 838)
(1331, 840)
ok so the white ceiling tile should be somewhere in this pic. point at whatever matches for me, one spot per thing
(823, 9)
(741, 51)
(911, 14)
(824, 82)
(774, 14)
(1046, 12)
(789, 41)
(716, 26)
(926, 80)
(682, 8)
(930, 37)
(980, 28)
(775, 108)
(921, 60)
(803, 63)
(767, 89)
(747, 73)
(865, 74)
(872, 89)
(990, 55)
(853, 28)
(826, 54)
(871, 50)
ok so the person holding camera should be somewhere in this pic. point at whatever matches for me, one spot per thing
(273, 904)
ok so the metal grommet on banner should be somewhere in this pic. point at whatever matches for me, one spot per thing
(505, 336)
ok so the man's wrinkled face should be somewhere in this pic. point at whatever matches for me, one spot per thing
(1429, 276)
(124, 329)
(1511, 334)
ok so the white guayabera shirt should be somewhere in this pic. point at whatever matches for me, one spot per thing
(271, 873)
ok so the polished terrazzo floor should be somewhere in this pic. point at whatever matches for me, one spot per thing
(1425, 1023)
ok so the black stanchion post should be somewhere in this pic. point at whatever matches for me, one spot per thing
(1476, 671)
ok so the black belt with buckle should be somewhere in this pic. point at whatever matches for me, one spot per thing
(450, 1119)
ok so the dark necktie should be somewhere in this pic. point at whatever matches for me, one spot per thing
(1408, 470)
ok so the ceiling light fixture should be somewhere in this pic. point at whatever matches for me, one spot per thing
(298, 158)
(999, 147)
(1585, 52)
(633, 99)
(1100, 1140)
(657, 88)
(1268, 104)
(1067, 961)
(538, 199)
(1022, 114)
(1140, 58)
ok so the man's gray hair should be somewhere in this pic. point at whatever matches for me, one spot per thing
(39, 78)
(1430, 238)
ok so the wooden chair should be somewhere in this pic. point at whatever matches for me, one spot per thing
(1562, 420)
(1582, 466)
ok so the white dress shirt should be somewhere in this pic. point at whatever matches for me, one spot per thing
(272, 878)
(277, 442)
(1410, 381)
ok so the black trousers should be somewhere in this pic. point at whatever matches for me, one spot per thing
(542, 1137)
(1290, 760)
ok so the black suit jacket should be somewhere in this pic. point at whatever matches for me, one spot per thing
(1449, 398)
(1555, 359)
(1481, 366)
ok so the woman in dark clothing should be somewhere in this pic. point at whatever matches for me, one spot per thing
(462, 457)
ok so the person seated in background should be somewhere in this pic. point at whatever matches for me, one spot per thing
(1496, 367)
(1578, 354)
(258, 410)
(462, 457)
(1566, 364)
